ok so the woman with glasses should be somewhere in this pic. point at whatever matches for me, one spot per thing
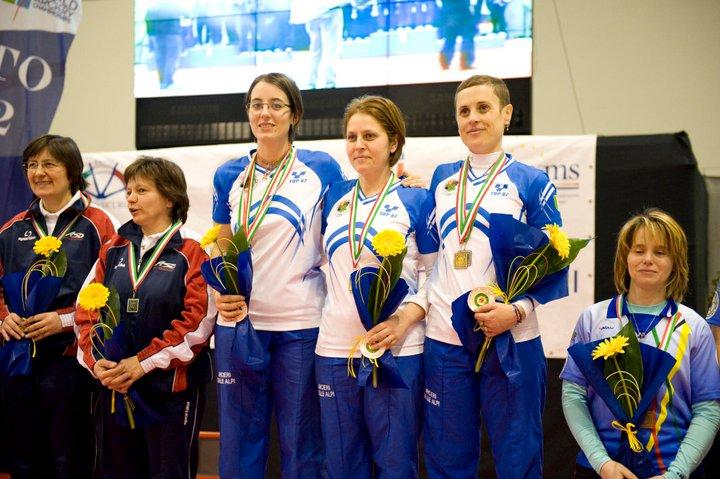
(274, 193)
(48, 415)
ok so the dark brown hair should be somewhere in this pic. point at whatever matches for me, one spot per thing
(291, 90)
(169, 179)
(387, 113)
(63, 149)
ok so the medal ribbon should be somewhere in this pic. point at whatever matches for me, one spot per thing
(138, 272)
(357, 246)
(465, 219)
(270, 191)
(41, 231)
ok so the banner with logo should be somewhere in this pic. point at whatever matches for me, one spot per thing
(568, 160)
(35, 37)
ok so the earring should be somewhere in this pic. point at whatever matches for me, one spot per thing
(507, 127)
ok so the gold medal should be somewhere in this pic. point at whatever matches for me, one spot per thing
(463, 259)
(133, 305)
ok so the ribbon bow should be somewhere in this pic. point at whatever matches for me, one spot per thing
(629, 429)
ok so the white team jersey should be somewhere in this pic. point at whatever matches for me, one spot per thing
(288, 287)
(340, 326)
(519, 190)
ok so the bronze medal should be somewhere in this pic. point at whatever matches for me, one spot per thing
(133, 305)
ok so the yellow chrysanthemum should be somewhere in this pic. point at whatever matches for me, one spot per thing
(47, 245)
(210, 237)
(93, 296)
(388, 243)
(558, 240)
(610, 347)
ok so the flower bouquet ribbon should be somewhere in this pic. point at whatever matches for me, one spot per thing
(232, 273)
(378, 291)
(109, 341)
(527, 262)
(627, 376)
(29, 293)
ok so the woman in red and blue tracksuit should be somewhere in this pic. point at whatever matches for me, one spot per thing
(164, 308)
(46, 417)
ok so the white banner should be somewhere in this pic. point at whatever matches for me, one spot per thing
(568, 160)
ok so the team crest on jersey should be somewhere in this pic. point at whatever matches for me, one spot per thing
(342, 207)
(450, 186)
(164, 266)
(713, 305)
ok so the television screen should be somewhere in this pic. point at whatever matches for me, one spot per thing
(199, 47)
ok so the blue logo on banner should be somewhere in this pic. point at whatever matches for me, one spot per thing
(104, 182)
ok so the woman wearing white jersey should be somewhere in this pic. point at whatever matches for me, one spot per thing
(282, 187)
(368, 428)
(510, 403)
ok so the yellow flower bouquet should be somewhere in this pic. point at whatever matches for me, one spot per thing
(29, 293)
(378, 290)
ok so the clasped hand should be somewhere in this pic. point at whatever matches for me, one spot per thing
(35, 327)
(118, 376)
(495, 318)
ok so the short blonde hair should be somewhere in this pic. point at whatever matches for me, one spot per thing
(664, 229)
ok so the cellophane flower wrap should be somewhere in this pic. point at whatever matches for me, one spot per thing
(627, 376)
(378, 290)
(108, 339)
(232, 273)
(527, 261)
(29, 293)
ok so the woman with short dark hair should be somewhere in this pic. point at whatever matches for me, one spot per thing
(168, 317)
(49, 407)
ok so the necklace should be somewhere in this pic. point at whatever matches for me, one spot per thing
(641, 335)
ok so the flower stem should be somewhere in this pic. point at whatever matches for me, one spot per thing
(625, 391)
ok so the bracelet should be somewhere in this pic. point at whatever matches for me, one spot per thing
(519, 316)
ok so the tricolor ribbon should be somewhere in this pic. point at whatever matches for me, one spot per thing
(465, 219)
(356, 245)
(271, 190)
(138, 272)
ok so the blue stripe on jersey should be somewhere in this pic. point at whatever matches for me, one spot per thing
(342, 232)
(453, 225)
(294, 221)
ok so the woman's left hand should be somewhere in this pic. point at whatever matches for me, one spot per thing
(42, 325)
(125, 374)
(495, 318)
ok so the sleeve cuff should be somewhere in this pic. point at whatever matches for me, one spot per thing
(67, 319)
(147, 365)
(527, 305)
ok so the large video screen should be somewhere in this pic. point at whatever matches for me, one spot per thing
(198, 47)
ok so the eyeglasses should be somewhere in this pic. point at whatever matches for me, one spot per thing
(45, 165)
(257, 106)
